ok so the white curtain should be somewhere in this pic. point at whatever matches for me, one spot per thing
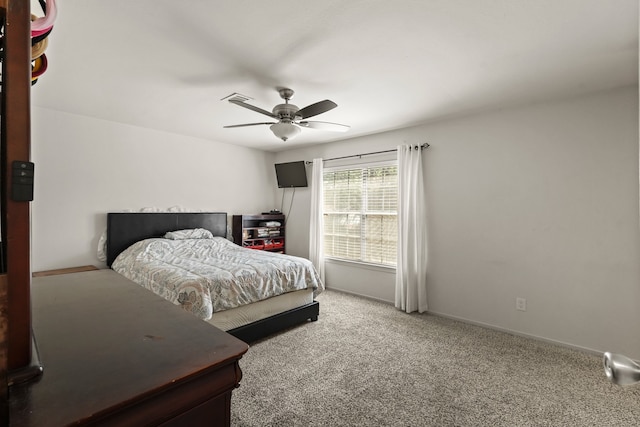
(316, 222)
(411, 269)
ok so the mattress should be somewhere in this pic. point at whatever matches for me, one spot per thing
(240, 316)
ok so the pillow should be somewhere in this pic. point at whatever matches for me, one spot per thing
(195, 233)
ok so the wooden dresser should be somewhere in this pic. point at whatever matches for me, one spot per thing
(115, 354)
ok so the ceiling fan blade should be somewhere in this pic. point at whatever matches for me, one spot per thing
(333, 127)
(249, 124)
(253, 107)
(315, 109)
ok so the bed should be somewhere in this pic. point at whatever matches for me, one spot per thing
(249, 321)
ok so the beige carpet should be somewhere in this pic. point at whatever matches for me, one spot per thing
(363, 363)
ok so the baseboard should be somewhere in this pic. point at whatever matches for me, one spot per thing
(518, 333)
(342, 291)
(484, 325)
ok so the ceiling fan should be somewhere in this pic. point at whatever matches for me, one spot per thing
(291, 118)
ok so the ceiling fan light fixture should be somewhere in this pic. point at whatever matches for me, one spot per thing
(284, 130)
(289, 118)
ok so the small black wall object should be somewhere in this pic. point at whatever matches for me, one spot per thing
(22, 181)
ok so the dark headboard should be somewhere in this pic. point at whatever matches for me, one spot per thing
(124, 229)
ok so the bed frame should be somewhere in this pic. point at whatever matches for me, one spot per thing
(124, 229)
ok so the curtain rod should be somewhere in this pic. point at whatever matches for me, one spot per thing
(422, 147)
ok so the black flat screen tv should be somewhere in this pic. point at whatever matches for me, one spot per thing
(292, 174)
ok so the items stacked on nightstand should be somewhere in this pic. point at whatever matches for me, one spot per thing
(263, 232)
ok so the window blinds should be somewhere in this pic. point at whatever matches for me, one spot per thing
(360, 213)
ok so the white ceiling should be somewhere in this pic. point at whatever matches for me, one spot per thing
(166, 64)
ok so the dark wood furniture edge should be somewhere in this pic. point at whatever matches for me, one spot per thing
(4, 347)
(29, 372)
(65, 271)
(197, 392)
(176, 399)
(15, 133)
(276, 323)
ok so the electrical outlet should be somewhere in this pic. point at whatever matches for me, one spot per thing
(521, 304)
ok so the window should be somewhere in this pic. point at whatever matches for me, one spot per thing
(360, 213)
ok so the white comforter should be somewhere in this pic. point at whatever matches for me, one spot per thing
(208, 275)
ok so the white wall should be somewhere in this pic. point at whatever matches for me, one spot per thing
(87, 167)
(539, 202)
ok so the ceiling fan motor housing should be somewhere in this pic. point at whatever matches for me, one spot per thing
(285, 111)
